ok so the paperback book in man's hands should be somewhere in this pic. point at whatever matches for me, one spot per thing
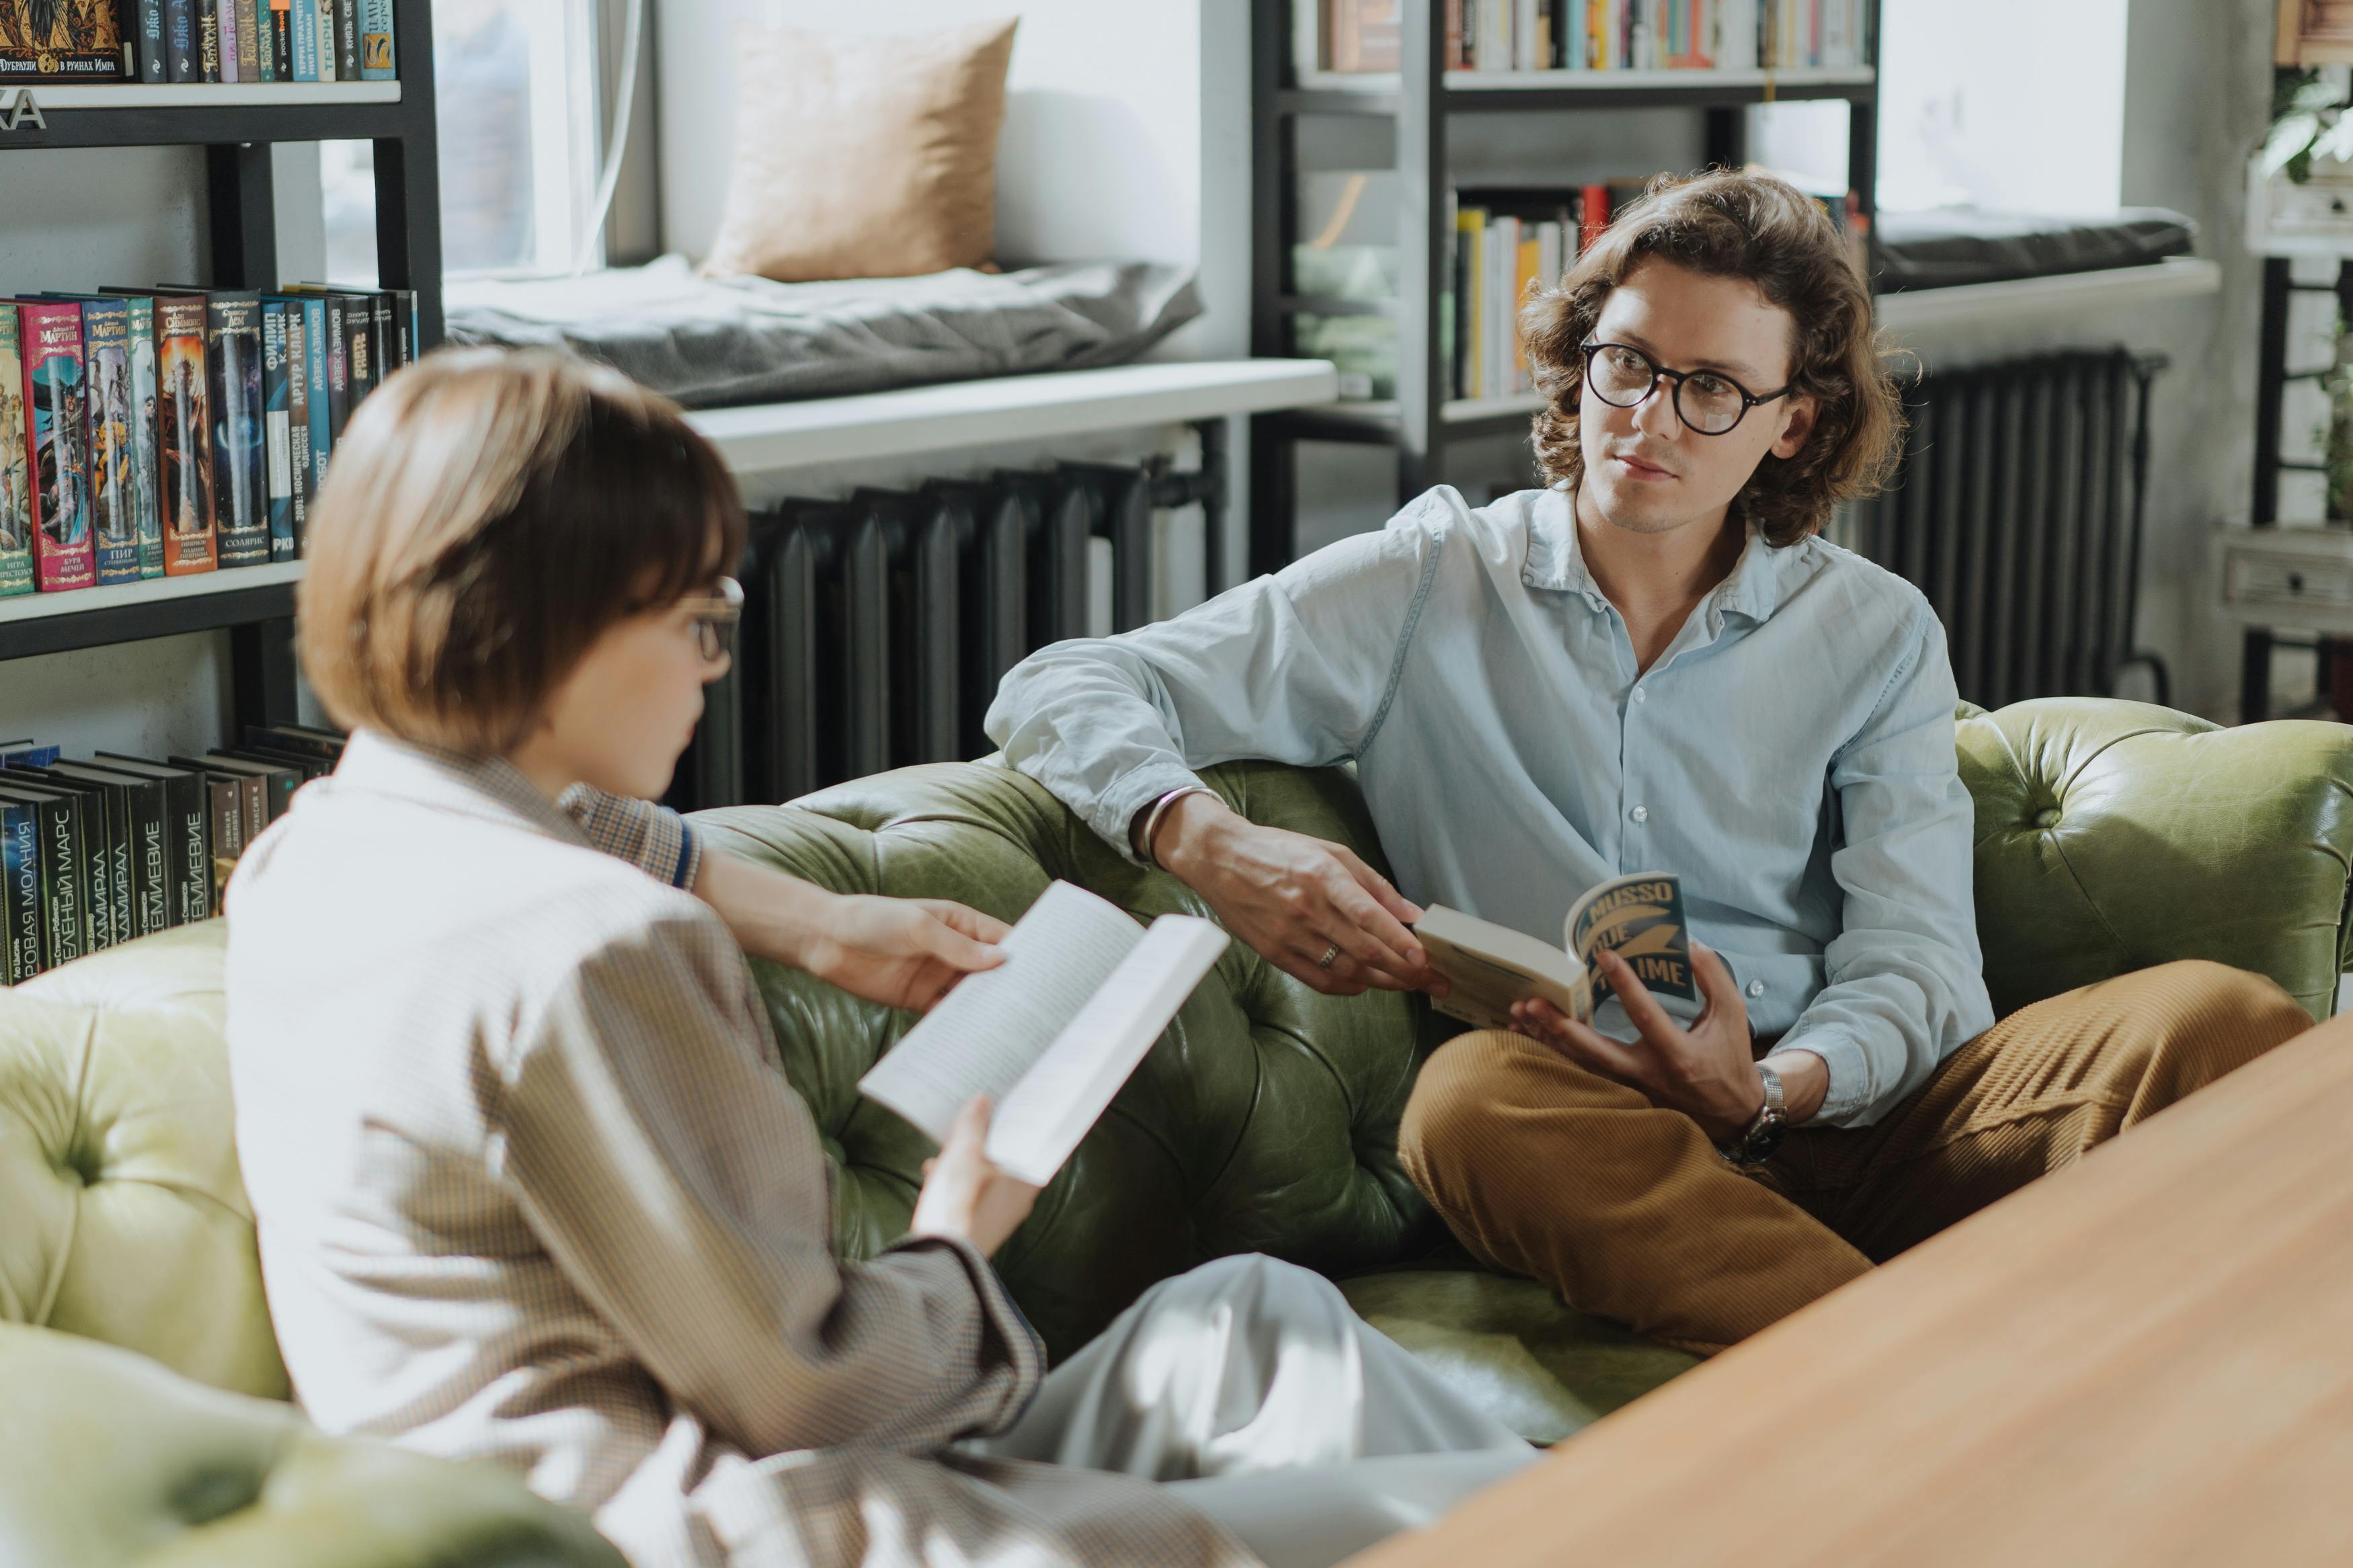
(1488, 967)
(1051, 1033)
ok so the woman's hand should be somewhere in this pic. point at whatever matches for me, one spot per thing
(965, 1196)
(901, 953)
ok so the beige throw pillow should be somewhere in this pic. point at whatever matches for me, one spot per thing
(862, 156)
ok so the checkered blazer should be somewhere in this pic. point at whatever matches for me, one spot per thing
(530, 1187)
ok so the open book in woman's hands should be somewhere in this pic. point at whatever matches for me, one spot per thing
(1051, 1034)
(1488, 967)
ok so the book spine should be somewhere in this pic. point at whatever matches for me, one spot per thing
(64, 555)
(323, 24)
(225, 823)
(240, 469)
(62, 915)
(113, 486)
(182, 62)
(305, 16)
(187, 847)
(154, 58)
(255, 42)
(404, 323)
(208, 40)
(314, 347)
(347, 40)
(339, 369)
(113, 887)
(385, 339)
(20, 891)
(377, 60)
(278, 429)
(184, 421)
(148, 874)
(298, 426)
(232, 56)
(15, 470)
(359, 359)
(146, 456)
(281, 39)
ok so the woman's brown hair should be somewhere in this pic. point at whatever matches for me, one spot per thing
(1762, 229)
(488, 516)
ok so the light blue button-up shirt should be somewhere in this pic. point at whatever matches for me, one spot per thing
(1790, 755)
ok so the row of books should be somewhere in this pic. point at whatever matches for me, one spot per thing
(1509, 243)
(1360, 36)
(197, 41)
(160, 432)
(115, 848)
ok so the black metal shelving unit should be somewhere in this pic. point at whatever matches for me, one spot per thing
(1420, 424)
(236, 126)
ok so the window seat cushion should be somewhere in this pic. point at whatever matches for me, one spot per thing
(1953, 245)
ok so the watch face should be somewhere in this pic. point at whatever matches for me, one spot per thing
(1763, 1142)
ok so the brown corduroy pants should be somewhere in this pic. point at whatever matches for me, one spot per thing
(1547, 1170)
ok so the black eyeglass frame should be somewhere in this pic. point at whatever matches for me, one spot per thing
(1749, 399)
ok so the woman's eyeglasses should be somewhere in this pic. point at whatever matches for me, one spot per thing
(714, 619)
(1706, 401)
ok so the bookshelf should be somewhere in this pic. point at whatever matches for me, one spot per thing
(236, 125)
(1424, 424)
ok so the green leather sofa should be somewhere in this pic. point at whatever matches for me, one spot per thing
(2110, 835)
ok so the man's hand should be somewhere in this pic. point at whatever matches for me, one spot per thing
(901, 953)
(1705, 1072)
(966, 1197)
(1292, 896)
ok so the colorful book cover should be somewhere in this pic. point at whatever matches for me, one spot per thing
(154, 64)
(232, 48)
(305, 19)
(15, 471)
(278, 428)
(20, 891)
(315, 352)
(61, 40)
(50, 345)
(241, 454)
(184, 421)
(182, 62)
(146, 454)
(376, 62)
(106, 389)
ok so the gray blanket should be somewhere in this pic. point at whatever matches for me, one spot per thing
(713, 341)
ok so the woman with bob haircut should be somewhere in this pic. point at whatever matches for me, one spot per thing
(529, 1183)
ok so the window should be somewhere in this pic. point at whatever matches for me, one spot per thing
(514, 86)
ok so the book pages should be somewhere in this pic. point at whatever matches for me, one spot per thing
(989, 1030)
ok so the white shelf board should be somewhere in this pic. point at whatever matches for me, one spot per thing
(1593, 80)
(1462, 410)
(769, 436)
(209, 95)
(1926, 310)
(147, 591)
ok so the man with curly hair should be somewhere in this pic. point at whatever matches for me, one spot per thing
(1652, 664)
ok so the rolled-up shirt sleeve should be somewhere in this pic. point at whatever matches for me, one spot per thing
(1905, 983)
(653, 838)
(1294, 667)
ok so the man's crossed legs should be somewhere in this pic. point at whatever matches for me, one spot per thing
(1545, 1169)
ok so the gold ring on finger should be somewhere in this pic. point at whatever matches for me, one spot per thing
(1330, 954)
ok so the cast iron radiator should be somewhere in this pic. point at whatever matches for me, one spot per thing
(2018, 509)
(876, 627)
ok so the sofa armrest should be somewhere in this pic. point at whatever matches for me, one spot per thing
(2113, 836)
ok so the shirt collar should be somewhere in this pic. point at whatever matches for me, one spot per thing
(489, 787)
(1555, 559)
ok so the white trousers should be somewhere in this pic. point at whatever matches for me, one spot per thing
(1254, 1388)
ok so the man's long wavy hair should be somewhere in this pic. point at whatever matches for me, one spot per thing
(1757, 228)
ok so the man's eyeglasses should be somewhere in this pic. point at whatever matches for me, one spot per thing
(714, 619)
(1706, 401)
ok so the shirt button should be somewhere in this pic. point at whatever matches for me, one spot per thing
(1641, 696)
(1757, 988)
(1641, 814)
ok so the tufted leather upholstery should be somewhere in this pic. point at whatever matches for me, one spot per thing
(2110, 835)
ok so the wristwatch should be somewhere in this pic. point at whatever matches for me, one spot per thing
(1762, 1135)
